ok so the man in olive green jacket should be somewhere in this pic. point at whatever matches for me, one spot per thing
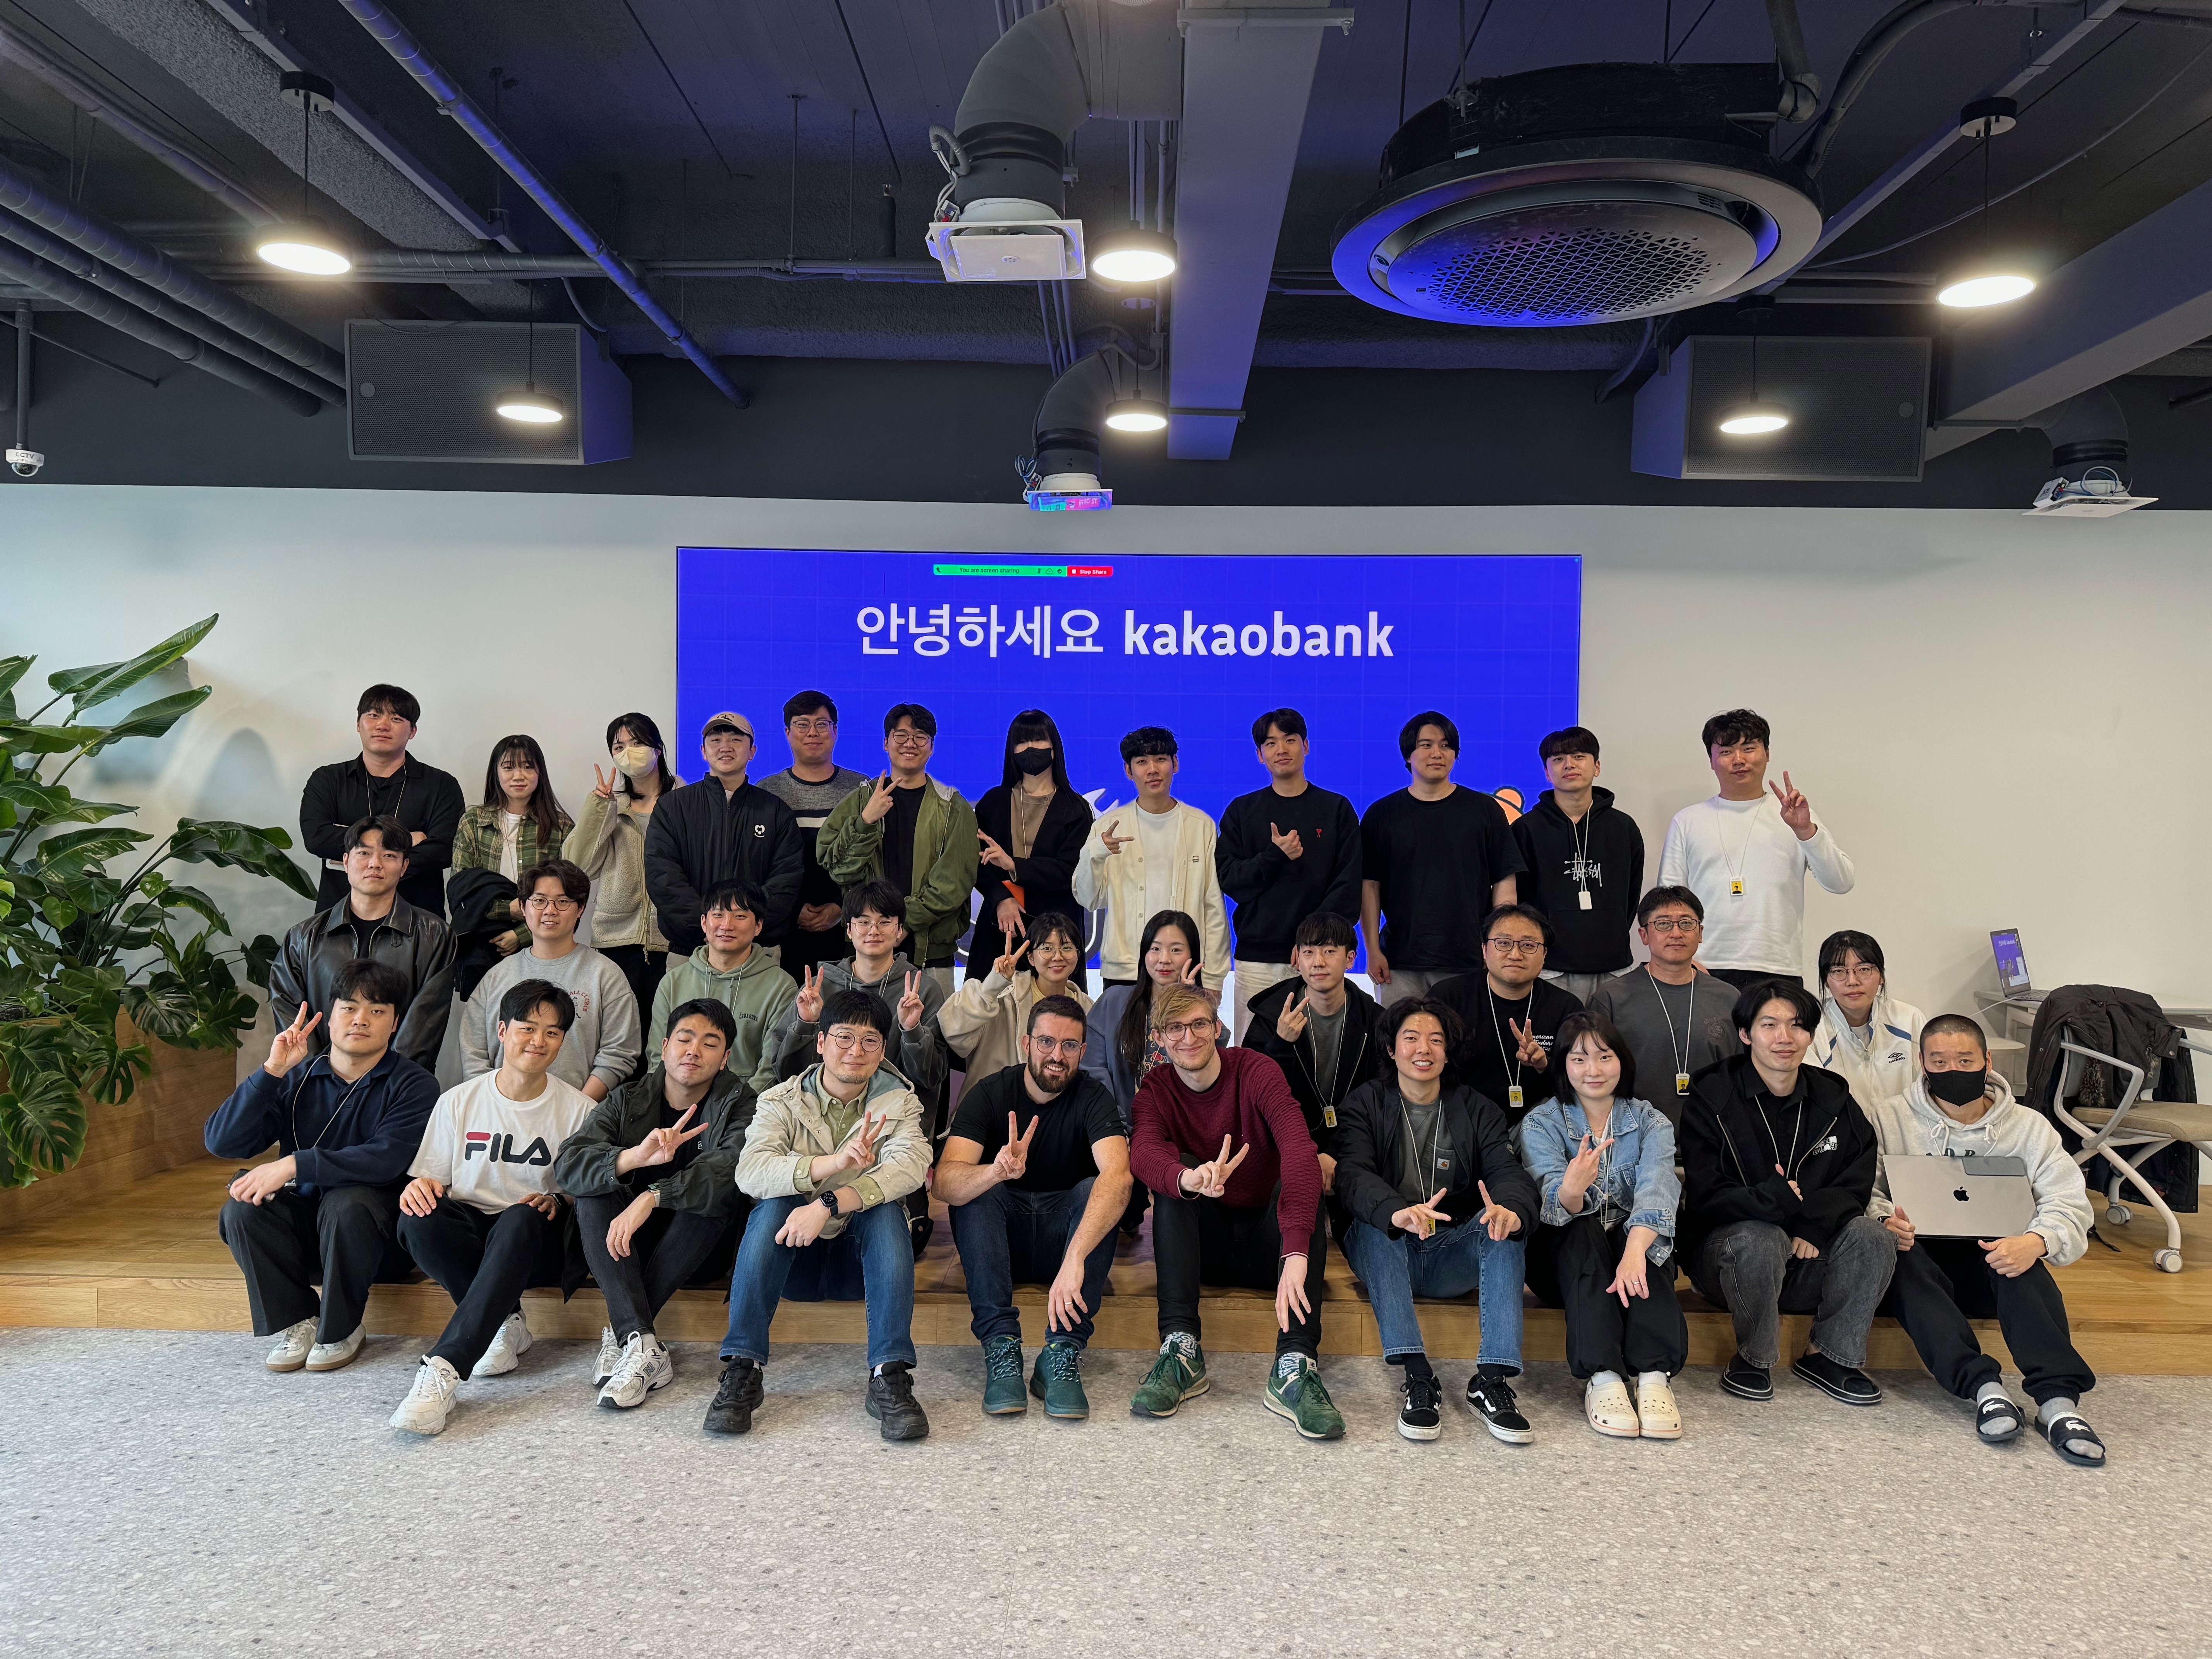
(916, 833)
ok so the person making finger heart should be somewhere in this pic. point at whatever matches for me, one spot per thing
(1510, 1012)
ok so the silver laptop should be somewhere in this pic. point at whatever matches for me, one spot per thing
(1962, 1197)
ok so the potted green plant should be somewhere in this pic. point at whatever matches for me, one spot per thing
(80, 944)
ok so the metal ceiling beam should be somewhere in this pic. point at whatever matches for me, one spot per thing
(2126, 302)
(1247, 74)
(388, 32)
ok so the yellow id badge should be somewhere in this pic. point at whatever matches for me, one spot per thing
(1328, 1117)
(1681, 1083)
(1736, 890)
(1514, 1094)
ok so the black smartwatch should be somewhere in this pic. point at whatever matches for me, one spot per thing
(828, 1195)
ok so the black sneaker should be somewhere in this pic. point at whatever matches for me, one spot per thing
(1838, 1382)
(736, 1399)
(1419, 1416)
(1747, 1381)
(1491, 1398)
(892, 1404)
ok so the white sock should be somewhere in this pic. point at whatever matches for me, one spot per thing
(1604, 1379)
(2057, 1406)
(1651, 1379)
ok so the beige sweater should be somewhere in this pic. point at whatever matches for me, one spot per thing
(982, 1022)
(610, 846)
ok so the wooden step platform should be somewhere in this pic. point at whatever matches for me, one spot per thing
(145, 1256)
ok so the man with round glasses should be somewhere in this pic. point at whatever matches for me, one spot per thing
(601, 1048)
(828, 1156)
(1037, 1171)
(1672, 1013)
(1510, 1013)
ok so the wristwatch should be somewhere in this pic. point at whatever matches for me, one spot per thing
(828, 1195)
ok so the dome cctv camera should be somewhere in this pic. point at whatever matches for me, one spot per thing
(25, 463)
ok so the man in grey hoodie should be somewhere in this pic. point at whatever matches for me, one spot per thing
(1957, 1107)
(731, 969)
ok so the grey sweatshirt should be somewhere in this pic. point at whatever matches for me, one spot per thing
(1912, 1125)
(604, 1042)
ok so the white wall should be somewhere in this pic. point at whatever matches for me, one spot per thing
(2001, 721)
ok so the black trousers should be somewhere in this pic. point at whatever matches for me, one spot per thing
(644, 969)
(1942, 1283)
(664, 1256)
(1744, 978)
(1649, 1335)
(484, 1262)
(1203, 1241)
(342, 1239)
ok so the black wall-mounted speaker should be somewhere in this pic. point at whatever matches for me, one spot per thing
(427, 391)
(1858, 408)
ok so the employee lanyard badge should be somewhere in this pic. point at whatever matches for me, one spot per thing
(1515, 1095)
(1689, 1019)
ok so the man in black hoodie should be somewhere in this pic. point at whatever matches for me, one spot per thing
(1778, 1164)
(1585, 860)
(1320, 1028)
(721, 828)
(1441, 1206)
(1283, 852)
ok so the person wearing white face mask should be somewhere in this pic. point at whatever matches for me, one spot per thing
(609, 843)
(1957, 1107)
(1867, 1038)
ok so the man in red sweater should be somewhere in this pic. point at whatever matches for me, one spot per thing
(1222, 1145)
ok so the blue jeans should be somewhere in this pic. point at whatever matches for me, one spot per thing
(872, 1260)
(1455, 1261)
(1008, 1237)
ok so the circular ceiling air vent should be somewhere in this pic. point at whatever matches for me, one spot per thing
(1555, 228)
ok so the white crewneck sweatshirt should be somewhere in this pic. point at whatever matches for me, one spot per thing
(492, 1151)
(1712, 846)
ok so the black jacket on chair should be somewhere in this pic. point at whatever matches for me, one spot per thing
(1360, 1061)
(413, 941)
(703, 834)
(1730, 1145)
(1370, 1151)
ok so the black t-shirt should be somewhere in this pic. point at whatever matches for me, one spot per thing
(1488, 1059)
(1437, 861)
(1059, 1155)
(898, 836)
(363, 931)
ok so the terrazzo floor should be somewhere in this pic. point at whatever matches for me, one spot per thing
(161, 1494)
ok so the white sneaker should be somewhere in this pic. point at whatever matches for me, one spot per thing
(423, 1411)
(1654, 1405)
(335, 1356)
(610, 1354)
(645, 1366)
(1610, 1411)
(507, 1347)
(293, 1343)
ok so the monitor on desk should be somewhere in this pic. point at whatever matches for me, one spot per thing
(2012, 963)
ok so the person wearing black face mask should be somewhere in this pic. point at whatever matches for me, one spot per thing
(1030, 832)
(1957, 1107)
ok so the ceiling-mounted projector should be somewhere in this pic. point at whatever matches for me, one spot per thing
(1591, 193)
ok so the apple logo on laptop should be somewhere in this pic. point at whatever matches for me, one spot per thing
(1959, 1193)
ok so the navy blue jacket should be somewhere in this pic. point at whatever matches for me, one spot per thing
(363, 1134)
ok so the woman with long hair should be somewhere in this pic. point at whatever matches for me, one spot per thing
(1122, 1049)
(610, 844)
(1029, 830)
(518, 824)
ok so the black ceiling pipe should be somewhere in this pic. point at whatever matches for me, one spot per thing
(56, 283)
(2088, 430)
(23, 194)
(1065, 437)
(78, 264)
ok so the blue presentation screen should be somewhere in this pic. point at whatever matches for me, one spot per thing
(1198, 644)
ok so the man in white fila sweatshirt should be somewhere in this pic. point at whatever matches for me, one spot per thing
(482, 1216)
(1745, 852)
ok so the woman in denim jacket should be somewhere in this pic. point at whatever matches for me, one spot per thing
(1604, 1162)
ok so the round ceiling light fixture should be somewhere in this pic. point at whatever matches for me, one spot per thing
(1989, 281)
(531, 407)
(1136, 414)
(1747, 420)
(1133, 255)
(1988, 288)
(306, 245)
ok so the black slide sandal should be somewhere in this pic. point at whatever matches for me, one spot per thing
(1998, 1421)
(2063, 1431)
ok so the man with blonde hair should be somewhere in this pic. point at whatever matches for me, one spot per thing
(1223, 1144)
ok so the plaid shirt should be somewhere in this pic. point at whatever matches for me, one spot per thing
(477, 844)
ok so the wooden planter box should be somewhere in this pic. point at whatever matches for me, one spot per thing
(158, 1128)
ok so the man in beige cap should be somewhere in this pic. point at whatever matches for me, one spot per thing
(721, 828)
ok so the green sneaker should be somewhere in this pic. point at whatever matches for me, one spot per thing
(1295, 1391)
(1057, 1379)
(1002, 1378)
(1177, 1375)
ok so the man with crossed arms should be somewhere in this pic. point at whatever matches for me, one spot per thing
(1036, 1209)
